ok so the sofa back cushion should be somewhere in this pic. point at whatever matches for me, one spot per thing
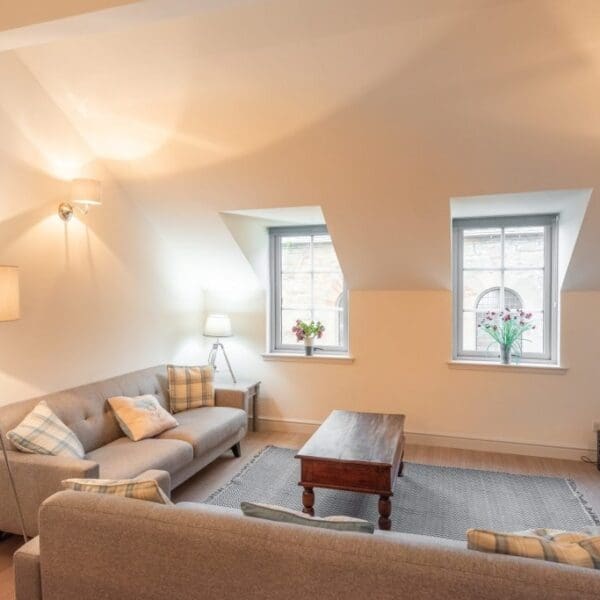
(85, 409)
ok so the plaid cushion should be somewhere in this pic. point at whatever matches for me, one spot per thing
(190, 387)
(142, 489)
(571, 548)
(42, 432)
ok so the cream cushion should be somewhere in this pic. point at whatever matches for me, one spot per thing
(141, 417)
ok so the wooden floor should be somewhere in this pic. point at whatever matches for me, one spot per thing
(224, 468)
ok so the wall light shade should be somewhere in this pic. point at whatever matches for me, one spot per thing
(217, 326)
(9, 294)
(84, 193)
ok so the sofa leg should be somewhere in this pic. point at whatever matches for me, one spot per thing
(237, 450)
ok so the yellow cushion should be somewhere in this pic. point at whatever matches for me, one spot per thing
(145, 489)
(141, 417)
(579, 549)
(190, 387)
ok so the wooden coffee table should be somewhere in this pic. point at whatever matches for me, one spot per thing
(357, 452)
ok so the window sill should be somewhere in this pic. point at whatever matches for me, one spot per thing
(473, 365)
(318, 358)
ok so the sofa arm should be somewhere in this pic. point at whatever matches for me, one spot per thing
(28, 579)
(37, 476)
(163, 478)
(232, 398)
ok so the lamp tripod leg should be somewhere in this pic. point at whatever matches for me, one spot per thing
(14, 488)
(228, 364)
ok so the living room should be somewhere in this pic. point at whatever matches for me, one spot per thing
(371, 232)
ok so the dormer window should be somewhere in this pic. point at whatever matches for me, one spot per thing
(307, 283)
(499, 263)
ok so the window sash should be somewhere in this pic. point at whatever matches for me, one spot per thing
(276, 234)
(549, 308)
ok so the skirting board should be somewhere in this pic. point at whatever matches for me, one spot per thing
(445, 441)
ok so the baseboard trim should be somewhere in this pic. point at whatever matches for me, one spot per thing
(308, 426)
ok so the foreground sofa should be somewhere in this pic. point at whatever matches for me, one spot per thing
(99, 547)
(203, 435)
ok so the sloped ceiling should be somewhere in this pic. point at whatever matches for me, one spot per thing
(379, 112)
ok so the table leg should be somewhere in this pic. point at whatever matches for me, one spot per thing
(385, 510)
(401, 467)
(308, 500)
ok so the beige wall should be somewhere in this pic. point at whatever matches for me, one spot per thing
(401, 344)
(101, 295)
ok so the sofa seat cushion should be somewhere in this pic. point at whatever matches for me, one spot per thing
(124, 459)
(207, 427)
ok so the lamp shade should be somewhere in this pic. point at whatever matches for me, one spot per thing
(86, 191)
(217, 326)
(9, 294)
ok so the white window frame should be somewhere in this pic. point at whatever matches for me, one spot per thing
(551, 305)
(275, 344)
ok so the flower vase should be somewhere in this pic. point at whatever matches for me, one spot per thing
(505, 353)
(308, 346)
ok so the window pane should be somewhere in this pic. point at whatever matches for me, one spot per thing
(478, 283)
(529, 285)
(296, 290)
(485, 342)
(327, 289)
(524, 247)
(288, 320)
(331, 319)
(469, 328)
(482, 248)
(325, 258)
(295, 254)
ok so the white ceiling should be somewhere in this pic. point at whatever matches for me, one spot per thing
(379, 112)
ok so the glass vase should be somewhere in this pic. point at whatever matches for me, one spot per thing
(505, 353)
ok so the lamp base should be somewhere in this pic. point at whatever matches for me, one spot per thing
(212, 358)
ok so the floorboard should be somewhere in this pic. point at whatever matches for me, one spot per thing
(223, 469)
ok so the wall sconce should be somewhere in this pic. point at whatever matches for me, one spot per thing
(84, 193)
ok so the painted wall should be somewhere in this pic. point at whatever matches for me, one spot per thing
(101, 295)
(401, 344)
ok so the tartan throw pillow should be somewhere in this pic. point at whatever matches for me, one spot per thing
(281, 514)
(138, 489)
(578, 549)
(190, 387)
(42, 432)
(141, 417)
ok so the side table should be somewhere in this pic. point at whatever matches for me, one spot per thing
(243, 394)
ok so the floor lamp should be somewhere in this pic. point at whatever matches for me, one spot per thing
(218, 326)
(9, 311)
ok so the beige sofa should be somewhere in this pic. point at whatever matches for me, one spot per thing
(203, 435)
(99, 546)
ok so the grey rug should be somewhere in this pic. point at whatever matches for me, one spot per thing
(436, 501)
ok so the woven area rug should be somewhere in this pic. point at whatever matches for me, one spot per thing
(430, 500)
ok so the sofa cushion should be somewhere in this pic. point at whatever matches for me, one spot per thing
(281, 514)
(190, 387)
(571, 548)
(42, 432)
(141, 417)
(123, 459)
(137, 489)
(205, 428)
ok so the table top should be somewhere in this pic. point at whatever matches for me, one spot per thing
(356, 437)
(242, 385)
